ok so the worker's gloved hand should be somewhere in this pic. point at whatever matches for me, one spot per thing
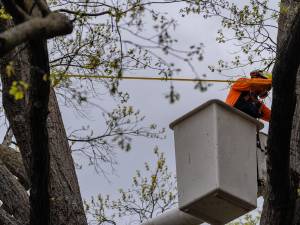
(256, 109)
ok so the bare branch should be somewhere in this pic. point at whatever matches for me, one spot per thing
(84, 13)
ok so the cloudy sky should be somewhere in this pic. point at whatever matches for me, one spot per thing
(148, 96)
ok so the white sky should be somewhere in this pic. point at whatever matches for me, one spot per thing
(148, 96)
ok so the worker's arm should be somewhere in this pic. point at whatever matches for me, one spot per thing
(266, 113)
(254, 84)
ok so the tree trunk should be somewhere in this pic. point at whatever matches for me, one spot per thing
(37, 114)
(280, 200)
(13, 195)
(66, 204)
(295, 151)
(13, 162)
(6, 219)
(66, 207)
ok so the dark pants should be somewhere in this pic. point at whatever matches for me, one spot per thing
(249, 107)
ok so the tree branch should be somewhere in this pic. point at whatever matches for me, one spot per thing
(14, 197)
(55, 24)
(18, 14)
(13, 161)
(84, 13)
(43, 7)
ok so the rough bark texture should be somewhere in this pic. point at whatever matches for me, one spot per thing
(16, 110)
(295, 150)
(37, 114)
(66, 206)
(6, 219)
(66, 201)
(280, 200)
(13, 195)
(53, 25)
(295, 136)
(13, 161)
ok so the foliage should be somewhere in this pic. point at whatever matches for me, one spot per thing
(123, 37)
(248, 219)
(251, 25)
(4, 15)
(110, 39)
(122, 124)
(152, 192)
(113, 39)
(117, 38)
(18, 89)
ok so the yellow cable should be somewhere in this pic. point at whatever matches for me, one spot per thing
(148, 78)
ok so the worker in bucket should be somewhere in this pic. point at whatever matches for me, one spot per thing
(246, 94)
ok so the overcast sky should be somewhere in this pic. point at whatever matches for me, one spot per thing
(148, 96)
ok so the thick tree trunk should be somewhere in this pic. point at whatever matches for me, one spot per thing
(295, 151)
(13, 161)
(66, 206)
(280, 200)
(7, 219)
(38, 112)
(13, 195)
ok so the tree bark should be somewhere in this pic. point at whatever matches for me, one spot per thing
(6, 219)
(55, 24)
(13, 162)
(13, 195)
(66, 205)
(65, 201)
(280, 201)
(295, 151)
(38, 112)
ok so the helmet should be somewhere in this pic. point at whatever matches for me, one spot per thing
(261, 74)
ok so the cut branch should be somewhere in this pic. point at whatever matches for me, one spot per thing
(55, 24)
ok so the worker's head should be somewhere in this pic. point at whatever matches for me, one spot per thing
(263, 93)
(260, 74)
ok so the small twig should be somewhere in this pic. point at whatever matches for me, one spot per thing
(83, 13)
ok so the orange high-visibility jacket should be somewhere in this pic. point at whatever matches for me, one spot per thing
(252, 85)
